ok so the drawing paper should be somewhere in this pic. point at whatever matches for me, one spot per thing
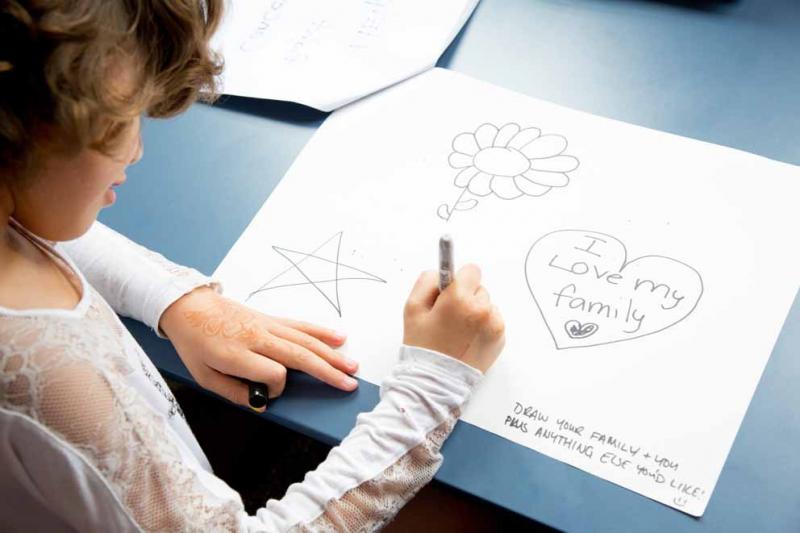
(643, 277)
(325, 54)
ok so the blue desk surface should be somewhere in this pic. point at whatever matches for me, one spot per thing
(729, 75)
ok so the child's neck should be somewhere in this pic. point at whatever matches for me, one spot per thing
(6, 208)
(29, 278)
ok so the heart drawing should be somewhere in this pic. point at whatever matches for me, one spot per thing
(576, 330)
(589, 293)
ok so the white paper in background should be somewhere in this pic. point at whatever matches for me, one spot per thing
(324, 53)
(644, 277)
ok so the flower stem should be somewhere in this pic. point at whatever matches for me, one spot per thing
(453, 210)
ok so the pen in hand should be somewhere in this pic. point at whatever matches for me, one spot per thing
(445, 261)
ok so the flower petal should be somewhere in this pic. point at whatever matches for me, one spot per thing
(524, 137)
(559, 163)
(530, 188)
(485, 135)
(505, 134)
(457, 160)
(545, 146)
(504, 187)
(465, 143)
(479, 185)
(463, 177)
(548, 179)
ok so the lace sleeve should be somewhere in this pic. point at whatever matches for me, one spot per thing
(392, 452)
(135, 281)
(372, 504)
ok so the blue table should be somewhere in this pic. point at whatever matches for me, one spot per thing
(729, 75)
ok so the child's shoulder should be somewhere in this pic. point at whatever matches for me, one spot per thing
(50, 360)
(71, 389)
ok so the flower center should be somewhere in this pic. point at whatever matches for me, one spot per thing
(501, 161)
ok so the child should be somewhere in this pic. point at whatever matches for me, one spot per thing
(90, 436)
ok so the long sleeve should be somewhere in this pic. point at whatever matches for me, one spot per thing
(135, 281)
(392, 452)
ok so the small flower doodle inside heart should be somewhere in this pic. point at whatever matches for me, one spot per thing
(576, 330)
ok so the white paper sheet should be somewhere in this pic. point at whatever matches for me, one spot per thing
(325, 54)
(644, 277)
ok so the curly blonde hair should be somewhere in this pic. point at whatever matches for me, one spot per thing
(74, 74)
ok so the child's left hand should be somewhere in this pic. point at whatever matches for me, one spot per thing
(220, 340)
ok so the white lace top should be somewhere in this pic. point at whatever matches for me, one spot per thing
(91, 438)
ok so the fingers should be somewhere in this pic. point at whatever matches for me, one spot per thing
(468, 278)
(326, 335)
(255, 367)
(482, 296)
(230, 388)
(496, 329)
(318, 347)
(297, 357)
(424, 292)
(495, 326)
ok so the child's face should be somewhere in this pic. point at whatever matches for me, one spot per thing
(62, 201)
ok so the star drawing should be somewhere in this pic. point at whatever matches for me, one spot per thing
(320, 268)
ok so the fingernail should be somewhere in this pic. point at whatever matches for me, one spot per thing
(350, 383)
(258, 410)
(350, 363)
(340, 337)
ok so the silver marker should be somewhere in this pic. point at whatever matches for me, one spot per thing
(445, 261)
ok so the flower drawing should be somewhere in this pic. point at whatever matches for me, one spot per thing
(508, 162)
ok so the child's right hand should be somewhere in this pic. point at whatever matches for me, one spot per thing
(460, 322)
